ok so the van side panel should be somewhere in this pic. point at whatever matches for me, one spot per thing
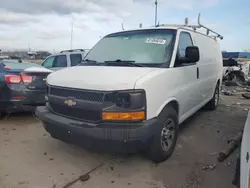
(210, 64)
(181, 83)
(165, 85)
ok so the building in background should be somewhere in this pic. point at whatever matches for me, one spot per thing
(244, 55)
(42, 54)
(19, 54)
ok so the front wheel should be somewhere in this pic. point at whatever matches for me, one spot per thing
(165, 138)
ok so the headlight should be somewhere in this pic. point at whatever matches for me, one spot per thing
(125, 106)
(134, 99)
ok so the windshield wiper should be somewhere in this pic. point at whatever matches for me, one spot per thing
(124, 62)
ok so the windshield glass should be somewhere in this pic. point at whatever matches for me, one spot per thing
(19, 66)
(152, 46)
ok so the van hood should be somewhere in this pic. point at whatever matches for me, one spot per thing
(98, 77)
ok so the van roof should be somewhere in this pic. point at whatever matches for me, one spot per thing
(185, 26)
(166, 27)
(147, 28)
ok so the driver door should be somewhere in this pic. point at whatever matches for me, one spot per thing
(188, 78)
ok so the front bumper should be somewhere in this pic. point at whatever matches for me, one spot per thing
(112, 137)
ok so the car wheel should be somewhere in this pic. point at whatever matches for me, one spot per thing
(213, 103)
(164, 140)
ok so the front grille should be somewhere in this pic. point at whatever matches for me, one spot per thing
(75, 113)
(77, 94)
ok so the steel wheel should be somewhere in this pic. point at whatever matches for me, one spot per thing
(164, 140)
(167, 135)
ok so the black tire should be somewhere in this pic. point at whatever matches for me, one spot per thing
(213, 103)
(157, 152)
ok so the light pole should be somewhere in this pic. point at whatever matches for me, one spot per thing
(156, 6)
(71, 37)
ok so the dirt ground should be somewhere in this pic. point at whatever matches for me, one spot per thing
(30, 158)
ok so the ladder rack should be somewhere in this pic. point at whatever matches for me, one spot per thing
(195, 27)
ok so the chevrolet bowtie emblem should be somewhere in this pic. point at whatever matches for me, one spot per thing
(70, 102)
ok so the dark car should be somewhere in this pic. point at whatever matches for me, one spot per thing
(22, 86)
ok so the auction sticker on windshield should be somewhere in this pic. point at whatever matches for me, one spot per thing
(155, 41)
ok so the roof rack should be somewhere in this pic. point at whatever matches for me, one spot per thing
(194, 27)
(73, 50)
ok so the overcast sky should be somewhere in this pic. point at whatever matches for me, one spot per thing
(46, 24)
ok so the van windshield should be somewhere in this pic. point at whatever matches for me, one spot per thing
(152, 47)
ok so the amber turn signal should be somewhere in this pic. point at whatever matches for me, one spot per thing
(123, 116)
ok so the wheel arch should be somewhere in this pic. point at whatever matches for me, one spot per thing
(172, 102)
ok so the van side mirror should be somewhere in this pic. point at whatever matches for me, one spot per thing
(192, 54)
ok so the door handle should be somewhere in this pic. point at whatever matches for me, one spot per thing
(198, 73)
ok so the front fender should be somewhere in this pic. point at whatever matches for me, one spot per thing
(165, 104)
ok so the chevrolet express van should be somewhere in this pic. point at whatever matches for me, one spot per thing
(133, 90)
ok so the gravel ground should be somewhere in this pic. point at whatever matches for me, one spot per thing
(30, 158)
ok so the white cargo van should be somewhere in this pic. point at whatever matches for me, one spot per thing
(134, 89)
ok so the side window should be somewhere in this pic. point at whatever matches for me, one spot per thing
(48, 63)
(75, 59)
(185, 40)
(60, 61)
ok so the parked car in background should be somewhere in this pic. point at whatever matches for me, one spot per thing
(22, 86)
(67, 58)
(4, 57)
(133, 90)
